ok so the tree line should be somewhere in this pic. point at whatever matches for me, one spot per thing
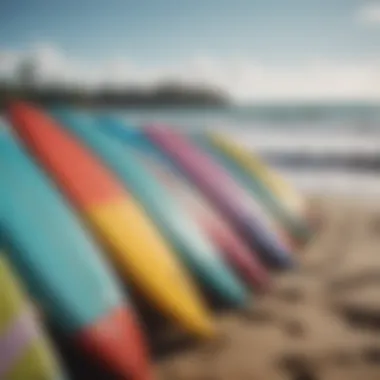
(25, 85)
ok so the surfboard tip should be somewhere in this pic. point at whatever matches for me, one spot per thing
(117, 341)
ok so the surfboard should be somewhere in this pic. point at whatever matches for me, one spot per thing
(63, 269)
(223, 192)
(192, 246)
(254, 205)
(254, 167)
(132, 241)
(287, 223)
(25, 350)
(235, 250)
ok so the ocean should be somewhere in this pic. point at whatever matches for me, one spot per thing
(322, 149)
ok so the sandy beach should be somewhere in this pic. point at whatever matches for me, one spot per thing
(319, 322)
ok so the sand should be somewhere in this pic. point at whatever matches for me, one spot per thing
(319, 322)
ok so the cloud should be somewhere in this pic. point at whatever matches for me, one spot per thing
(369, 14)
(246, 80)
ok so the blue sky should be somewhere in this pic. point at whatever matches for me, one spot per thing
(162, 35)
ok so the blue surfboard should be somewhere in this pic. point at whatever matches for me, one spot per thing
(49, 247)
(60, 264)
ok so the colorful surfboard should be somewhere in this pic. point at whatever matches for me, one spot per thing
(235, 250)
(25, 351)
(252, 204)
(63, 269)
(255, 168)
(287, 222)
(184, 235)
(133, 242)
(223, 192)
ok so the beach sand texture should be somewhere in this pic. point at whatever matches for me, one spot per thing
(319, 322)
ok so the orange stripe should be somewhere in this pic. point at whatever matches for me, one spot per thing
(82, 175)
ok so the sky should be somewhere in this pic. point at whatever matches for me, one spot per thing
(256, 50)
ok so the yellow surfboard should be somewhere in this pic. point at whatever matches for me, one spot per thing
(252, 164)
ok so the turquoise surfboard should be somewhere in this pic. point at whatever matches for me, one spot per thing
(49, 248)
(61, 266)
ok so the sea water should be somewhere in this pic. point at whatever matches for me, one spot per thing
(321, 148)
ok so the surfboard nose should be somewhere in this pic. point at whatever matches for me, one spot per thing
(116, 340)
